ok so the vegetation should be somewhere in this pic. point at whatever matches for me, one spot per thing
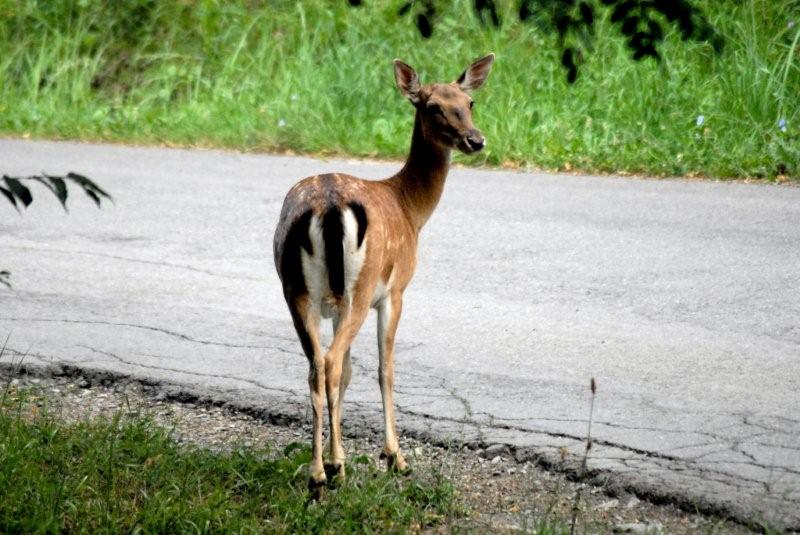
(316, 77)
(127, 475)
(19, 195)
(642, 22)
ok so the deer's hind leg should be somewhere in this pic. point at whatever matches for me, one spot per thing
(306, 323)
(347, 372)
(336, 455)
(338, 371)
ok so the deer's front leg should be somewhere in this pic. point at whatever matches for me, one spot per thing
(388, 318)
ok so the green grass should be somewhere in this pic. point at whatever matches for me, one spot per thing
(127, 475)
(316, 77)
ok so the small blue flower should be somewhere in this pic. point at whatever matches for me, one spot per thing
(790, 25)
(293, 98)
(782, 125)
(281, 123)
(700, 120)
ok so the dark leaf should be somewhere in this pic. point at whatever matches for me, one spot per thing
(54, 184)
(563, 23)
(424, 26)
(487, 12)
(647, 50)
(654, 28)
(639, 40)
(622, 10)
(567, 59)
(18, 190)
(354, 2)
(93, 195)
(494, 15)
(687, 28)
(92, 190)
(669, 8)
(524, 11)
(572, 74)
(43, 181)
(60, 189)
(718, 43)
(405, 8)
(587, 13)
(9, 196)
(630, 25)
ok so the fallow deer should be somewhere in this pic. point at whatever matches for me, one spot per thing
(344, 245)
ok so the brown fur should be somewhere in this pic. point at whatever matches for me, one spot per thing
(396, 209)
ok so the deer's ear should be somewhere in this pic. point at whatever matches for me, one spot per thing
(407, 81)
(476, 74)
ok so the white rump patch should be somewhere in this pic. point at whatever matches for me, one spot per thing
(314, 271)
(353, 254)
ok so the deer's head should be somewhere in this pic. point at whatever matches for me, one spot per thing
(445, 110)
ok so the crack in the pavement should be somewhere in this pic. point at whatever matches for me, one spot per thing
(134, 260)
(653, 456)
(747, 420)
(162, 331)
(189, 372)
(609, 424)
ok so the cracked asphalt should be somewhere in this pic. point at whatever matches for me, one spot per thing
(682, 298)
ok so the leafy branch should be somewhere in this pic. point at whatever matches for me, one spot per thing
(643, 23)
(18, 194)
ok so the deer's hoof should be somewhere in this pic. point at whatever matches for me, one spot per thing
(396, 464)
(335, 474)
(316, 486)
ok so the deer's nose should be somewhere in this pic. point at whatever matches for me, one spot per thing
(475, 140)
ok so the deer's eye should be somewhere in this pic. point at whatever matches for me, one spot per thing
(471, 104)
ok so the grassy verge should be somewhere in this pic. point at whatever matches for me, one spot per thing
(480, 493)
(316, 77)
(125, 474)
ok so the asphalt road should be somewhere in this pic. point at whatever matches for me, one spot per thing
(682, 298)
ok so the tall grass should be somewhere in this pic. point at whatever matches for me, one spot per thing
(316, 76)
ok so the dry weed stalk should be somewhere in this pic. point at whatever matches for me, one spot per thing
(582, 469)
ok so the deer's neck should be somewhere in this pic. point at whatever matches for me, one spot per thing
(421, 180)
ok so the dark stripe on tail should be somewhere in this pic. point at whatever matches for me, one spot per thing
(361, 218)
(294, 283)
(333, 236)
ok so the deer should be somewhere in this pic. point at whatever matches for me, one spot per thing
(344, 245)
